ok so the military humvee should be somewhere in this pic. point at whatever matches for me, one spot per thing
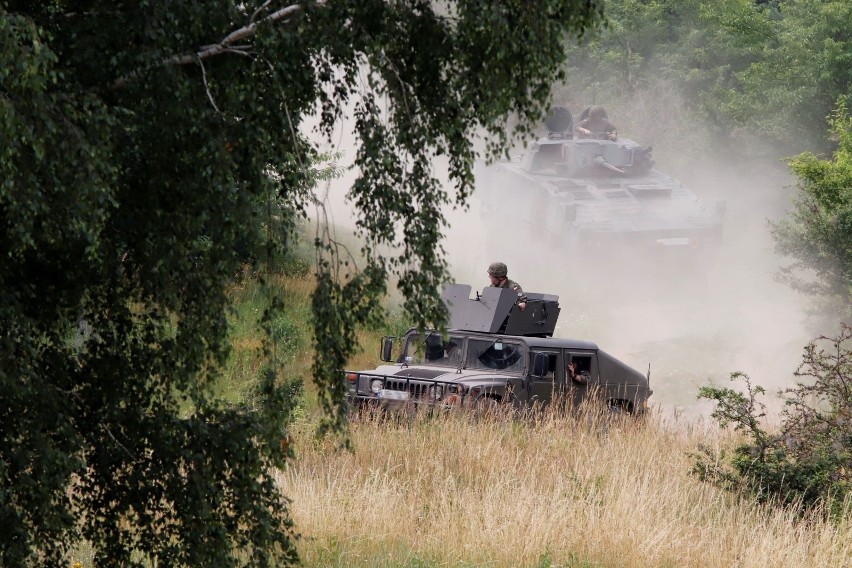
(586, 194)
(494, 352)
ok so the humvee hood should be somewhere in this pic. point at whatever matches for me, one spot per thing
(447, 374)
(418, 373)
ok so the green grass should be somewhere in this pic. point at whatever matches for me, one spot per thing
(286, 348)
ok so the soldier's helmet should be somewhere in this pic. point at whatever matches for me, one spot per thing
(596, 113)
(497, 270)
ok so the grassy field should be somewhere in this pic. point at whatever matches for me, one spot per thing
(563, 489)
(557, 489)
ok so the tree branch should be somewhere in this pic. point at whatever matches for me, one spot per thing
(223, 46)
(207, 86)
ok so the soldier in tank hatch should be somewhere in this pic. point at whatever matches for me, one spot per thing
(597, 126)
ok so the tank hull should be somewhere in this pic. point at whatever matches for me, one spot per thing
(592, 211)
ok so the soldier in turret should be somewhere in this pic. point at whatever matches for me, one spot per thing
(596, 125)
(497, 272)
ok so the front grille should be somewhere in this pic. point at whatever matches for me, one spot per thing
(419, 390)
(414, 389)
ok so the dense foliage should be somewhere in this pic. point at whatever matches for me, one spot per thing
(806, 464)
(818, 233)
(754, 75)
(144, 148)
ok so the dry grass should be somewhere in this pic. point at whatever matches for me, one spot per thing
(560, 490)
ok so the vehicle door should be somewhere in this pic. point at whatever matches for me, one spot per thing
(543, 389)
(581, 375)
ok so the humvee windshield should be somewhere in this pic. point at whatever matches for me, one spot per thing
(431, 349)
(495, 354)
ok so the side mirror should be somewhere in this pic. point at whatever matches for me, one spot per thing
(539, 365)
(386, 353)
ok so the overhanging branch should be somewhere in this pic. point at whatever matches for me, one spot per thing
(224, 46)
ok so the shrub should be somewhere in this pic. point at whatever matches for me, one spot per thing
(806, 464)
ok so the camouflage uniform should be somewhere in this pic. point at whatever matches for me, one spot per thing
(599, 128)
(597, 123)
(579, 376)
(512, 285)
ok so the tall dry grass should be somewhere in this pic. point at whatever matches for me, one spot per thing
(558, 490)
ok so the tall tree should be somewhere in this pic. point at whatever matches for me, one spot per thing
(141, 147)
(668, 67)
(817, 235)
(800, 54)
(763, 72)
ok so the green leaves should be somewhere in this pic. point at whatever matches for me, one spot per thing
(817, 236)
(805, 464)
(755, 74)
(422, 83)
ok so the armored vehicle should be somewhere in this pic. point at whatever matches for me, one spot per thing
(496, 352)
(591, 192)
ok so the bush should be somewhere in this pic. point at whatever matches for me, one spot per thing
(807, 464)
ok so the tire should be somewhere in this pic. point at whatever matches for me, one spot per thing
(618, 408)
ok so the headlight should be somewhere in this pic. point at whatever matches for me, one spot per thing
(436, 392)
(376, 386)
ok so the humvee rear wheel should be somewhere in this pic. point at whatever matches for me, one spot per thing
(618, 412)
(618, 408)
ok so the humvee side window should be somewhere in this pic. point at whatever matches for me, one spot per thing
(549, 372)
(498, 354)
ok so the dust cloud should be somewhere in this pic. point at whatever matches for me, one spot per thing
(693, 321)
